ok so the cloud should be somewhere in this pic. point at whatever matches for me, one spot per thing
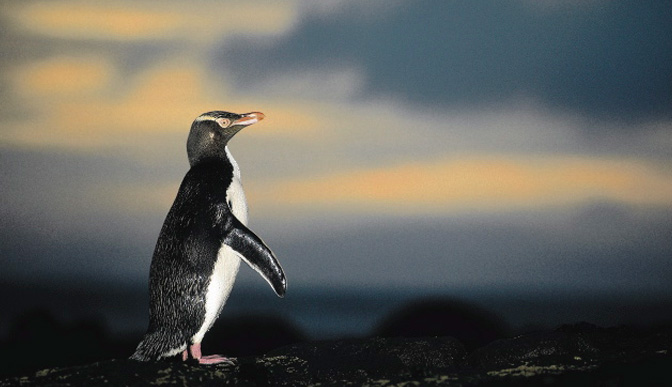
(163, 99)
(129, 21)
(86, 76)
(62, 76)
(329, 84)
(608, 61)
(477, 183)
(374, 158)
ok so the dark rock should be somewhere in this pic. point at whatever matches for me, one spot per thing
(572, 355)
(126, 373)
(472, 326)
(575, 346)
(37, 340)
(377, 358)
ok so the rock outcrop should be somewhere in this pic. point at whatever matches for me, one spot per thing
(579, 354)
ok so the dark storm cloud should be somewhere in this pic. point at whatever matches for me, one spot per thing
(600, 59)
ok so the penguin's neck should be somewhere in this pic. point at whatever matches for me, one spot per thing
(235, 193)
(234, 164)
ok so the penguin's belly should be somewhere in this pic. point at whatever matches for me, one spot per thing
(227, 265)
(219, 288)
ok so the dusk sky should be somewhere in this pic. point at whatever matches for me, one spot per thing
(408, 144)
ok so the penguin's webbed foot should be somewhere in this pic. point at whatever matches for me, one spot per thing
(216, 359)
(195, 350)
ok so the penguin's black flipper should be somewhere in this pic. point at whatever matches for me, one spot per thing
(255, 253)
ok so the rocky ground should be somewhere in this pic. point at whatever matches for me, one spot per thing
(581, 354)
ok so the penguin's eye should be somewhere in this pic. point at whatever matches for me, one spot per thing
(224, 122)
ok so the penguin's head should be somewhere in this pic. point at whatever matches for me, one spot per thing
(210, 132)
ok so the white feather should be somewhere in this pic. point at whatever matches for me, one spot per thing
(228, 261)
(221, 284)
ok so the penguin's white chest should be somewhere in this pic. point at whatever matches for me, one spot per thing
(228, 261)
(235, 196)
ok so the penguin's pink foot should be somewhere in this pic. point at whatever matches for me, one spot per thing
(195, 350)
(215, 359)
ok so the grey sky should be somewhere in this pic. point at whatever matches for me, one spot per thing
(372, 89)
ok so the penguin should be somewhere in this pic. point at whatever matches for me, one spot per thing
(203, 239)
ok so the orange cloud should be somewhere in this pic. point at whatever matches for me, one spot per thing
(168, 99)
(164, 99)
(96, 20)
(62, 76)
(171, 19)
(477, 183)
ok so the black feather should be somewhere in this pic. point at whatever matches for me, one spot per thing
(196, 226)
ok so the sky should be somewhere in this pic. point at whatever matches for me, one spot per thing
(407, 144)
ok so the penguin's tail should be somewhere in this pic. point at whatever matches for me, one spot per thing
(157, 345)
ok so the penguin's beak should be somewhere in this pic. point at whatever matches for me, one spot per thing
(248, 119)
